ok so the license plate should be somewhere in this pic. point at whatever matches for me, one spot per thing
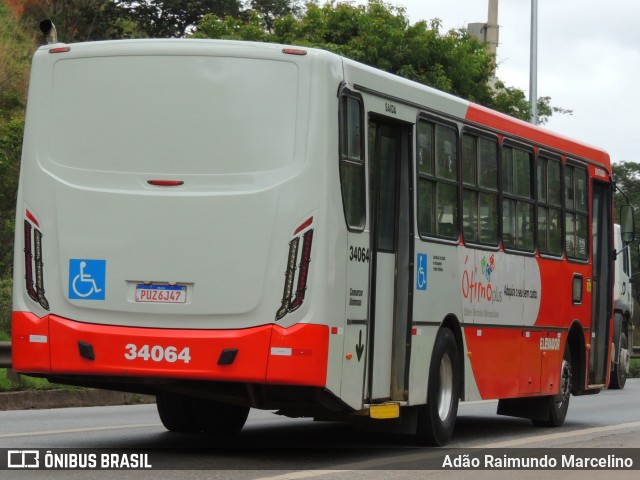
(161, 293)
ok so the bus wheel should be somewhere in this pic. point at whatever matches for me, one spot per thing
(559, 404)
(177, 413)
(222, 418)
(183, 414)
(620, 369)
(437, 418)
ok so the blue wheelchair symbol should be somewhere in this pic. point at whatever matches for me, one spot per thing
(421, 272)
(87, 279)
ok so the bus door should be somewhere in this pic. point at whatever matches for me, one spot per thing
(390, 275)
(601, 283)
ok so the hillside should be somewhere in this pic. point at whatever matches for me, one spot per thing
(17, 44)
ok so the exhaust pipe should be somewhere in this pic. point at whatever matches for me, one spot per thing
(49, 30)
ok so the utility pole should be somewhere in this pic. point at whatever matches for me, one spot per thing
(533, 68)
(492, 28)
(487, 33)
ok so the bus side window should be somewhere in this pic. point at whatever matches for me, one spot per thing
(517, 203)
(576, 212)
(352, 162)
(480, 189)
(437, 162)
(549, 206)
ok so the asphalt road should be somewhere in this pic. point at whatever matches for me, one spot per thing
(276, 448)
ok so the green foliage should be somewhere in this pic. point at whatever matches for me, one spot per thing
(230, 28)
(80, 20)
(270, 10)
(377, 34)
(10, 149)
(380, 34)
(626, 176)
(5, 308)
(30, 383)
(174, 18)
(16, 48)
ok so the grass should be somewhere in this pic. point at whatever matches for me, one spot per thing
(29, 383)
(634, 368)
(5, 308)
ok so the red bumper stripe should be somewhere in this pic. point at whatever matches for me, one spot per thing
(50, 345)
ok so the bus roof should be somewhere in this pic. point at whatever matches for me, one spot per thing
(362, 77)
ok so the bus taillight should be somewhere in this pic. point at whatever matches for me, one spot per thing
(294, 51)
(304, 271)
(33, 262)
(288, 304)
(166, 183)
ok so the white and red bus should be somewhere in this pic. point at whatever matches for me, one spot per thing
(232, 225)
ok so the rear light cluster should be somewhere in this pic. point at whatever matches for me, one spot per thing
(288, 304)
(33, 261)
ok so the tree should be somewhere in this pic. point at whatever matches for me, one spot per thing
(380, 34)
(174, 18)
(377, 34)
(626, 176)
(270, 10)
(16, 48)
(10, 151)
(79, 20)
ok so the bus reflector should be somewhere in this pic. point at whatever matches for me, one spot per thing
(384, 411)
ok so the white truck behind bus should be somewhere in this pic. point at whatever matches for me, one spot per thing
(623, 312)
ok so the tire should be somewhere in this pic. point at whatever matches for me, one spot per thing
(557, 405)
(223, 418)
(436, 420)
(177, 413)
(184, 414)
(621, 368)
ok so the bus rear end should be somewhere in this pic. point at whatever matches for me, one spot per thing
(156, 225)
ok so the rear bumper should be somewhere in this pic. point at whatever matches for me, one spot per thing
(268, 354)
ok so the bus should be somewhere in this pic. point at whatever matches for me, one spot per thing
(233, 225)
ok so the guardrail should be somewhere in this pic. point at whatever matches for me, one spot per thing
(5, 354)
(635, 352)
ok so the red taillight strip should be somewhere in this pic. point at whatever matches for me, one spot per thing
(165, 183)
(60, 50)
(304, 271)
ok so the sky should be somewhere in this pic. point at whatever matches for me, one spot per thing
(588, 61)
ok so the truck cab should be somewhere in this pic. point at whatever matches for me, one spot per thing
(623, 311)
